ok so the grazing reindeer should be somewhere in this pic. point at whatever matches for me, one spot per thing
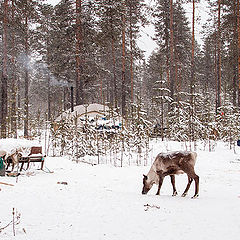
(170, 164)
(13, 157)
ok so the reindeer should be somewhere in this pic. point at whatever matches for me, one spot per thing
(172, 163)
(13, 157)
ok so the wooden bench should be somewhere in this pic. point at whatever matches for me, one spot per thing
(35, 155)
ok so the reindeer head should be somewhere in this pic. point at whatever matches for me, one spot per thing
(147, 184)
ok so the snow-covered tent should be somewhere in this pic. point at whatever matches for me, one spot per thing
(92, 112)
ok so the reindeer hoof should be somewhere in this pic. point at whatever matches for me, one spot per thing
(195, 196)
(175, 194)
(184, 194)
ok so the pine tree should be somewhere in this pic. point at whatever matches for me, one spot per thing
(62, 54)
(44, 65)
(108, 41)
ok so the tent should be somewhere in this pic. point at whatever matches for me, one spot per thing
(100, 114)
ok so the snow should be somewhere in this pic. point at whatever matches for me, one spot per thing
(12, 145)
(105, 202)
(171, 154)
(92, 110)
(97, 115)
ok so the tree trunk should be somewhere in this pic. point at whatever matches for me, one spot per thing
(49, 97)
(131, 51)
(72, 101)
(113, 94)
(4, 74)
(123, 61)
(235, 57)
(79, 64)
(238, 29)
(192, 75)
(18, 103)
(26, 84)
(64, 98)
(114, 82)
(101, 89)
(172, 80)
(49, 93)
(166, 23)
(218, 100)
(193, 52)
(14, 80)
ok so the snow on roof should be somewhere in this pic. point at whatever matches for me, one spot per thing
(93, 110)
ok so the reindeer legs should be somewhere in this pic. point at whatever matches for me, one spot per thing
(161, 177)
(192, 176)
(196, 179)
(188, 186)
(160, 184)
(173, 184)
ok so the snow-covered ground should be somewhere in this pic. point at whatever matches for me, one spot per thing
(105, 202)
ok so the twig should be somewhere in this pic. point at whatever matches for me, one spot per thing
(2, 228)
(6, 184)
(64, 183)
(147, 206)
(17, 172)
(48, 171)
(15, 221)
(82, 161)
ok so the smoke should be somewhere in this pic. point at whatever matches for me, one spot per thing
(37, 69)
(60, 82)
(25, 61)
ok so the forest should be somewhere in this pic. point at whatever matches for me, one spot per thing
(82, 52)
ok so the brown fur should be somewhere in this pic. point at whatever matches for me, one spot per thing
(170, 164)
(12, 159)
